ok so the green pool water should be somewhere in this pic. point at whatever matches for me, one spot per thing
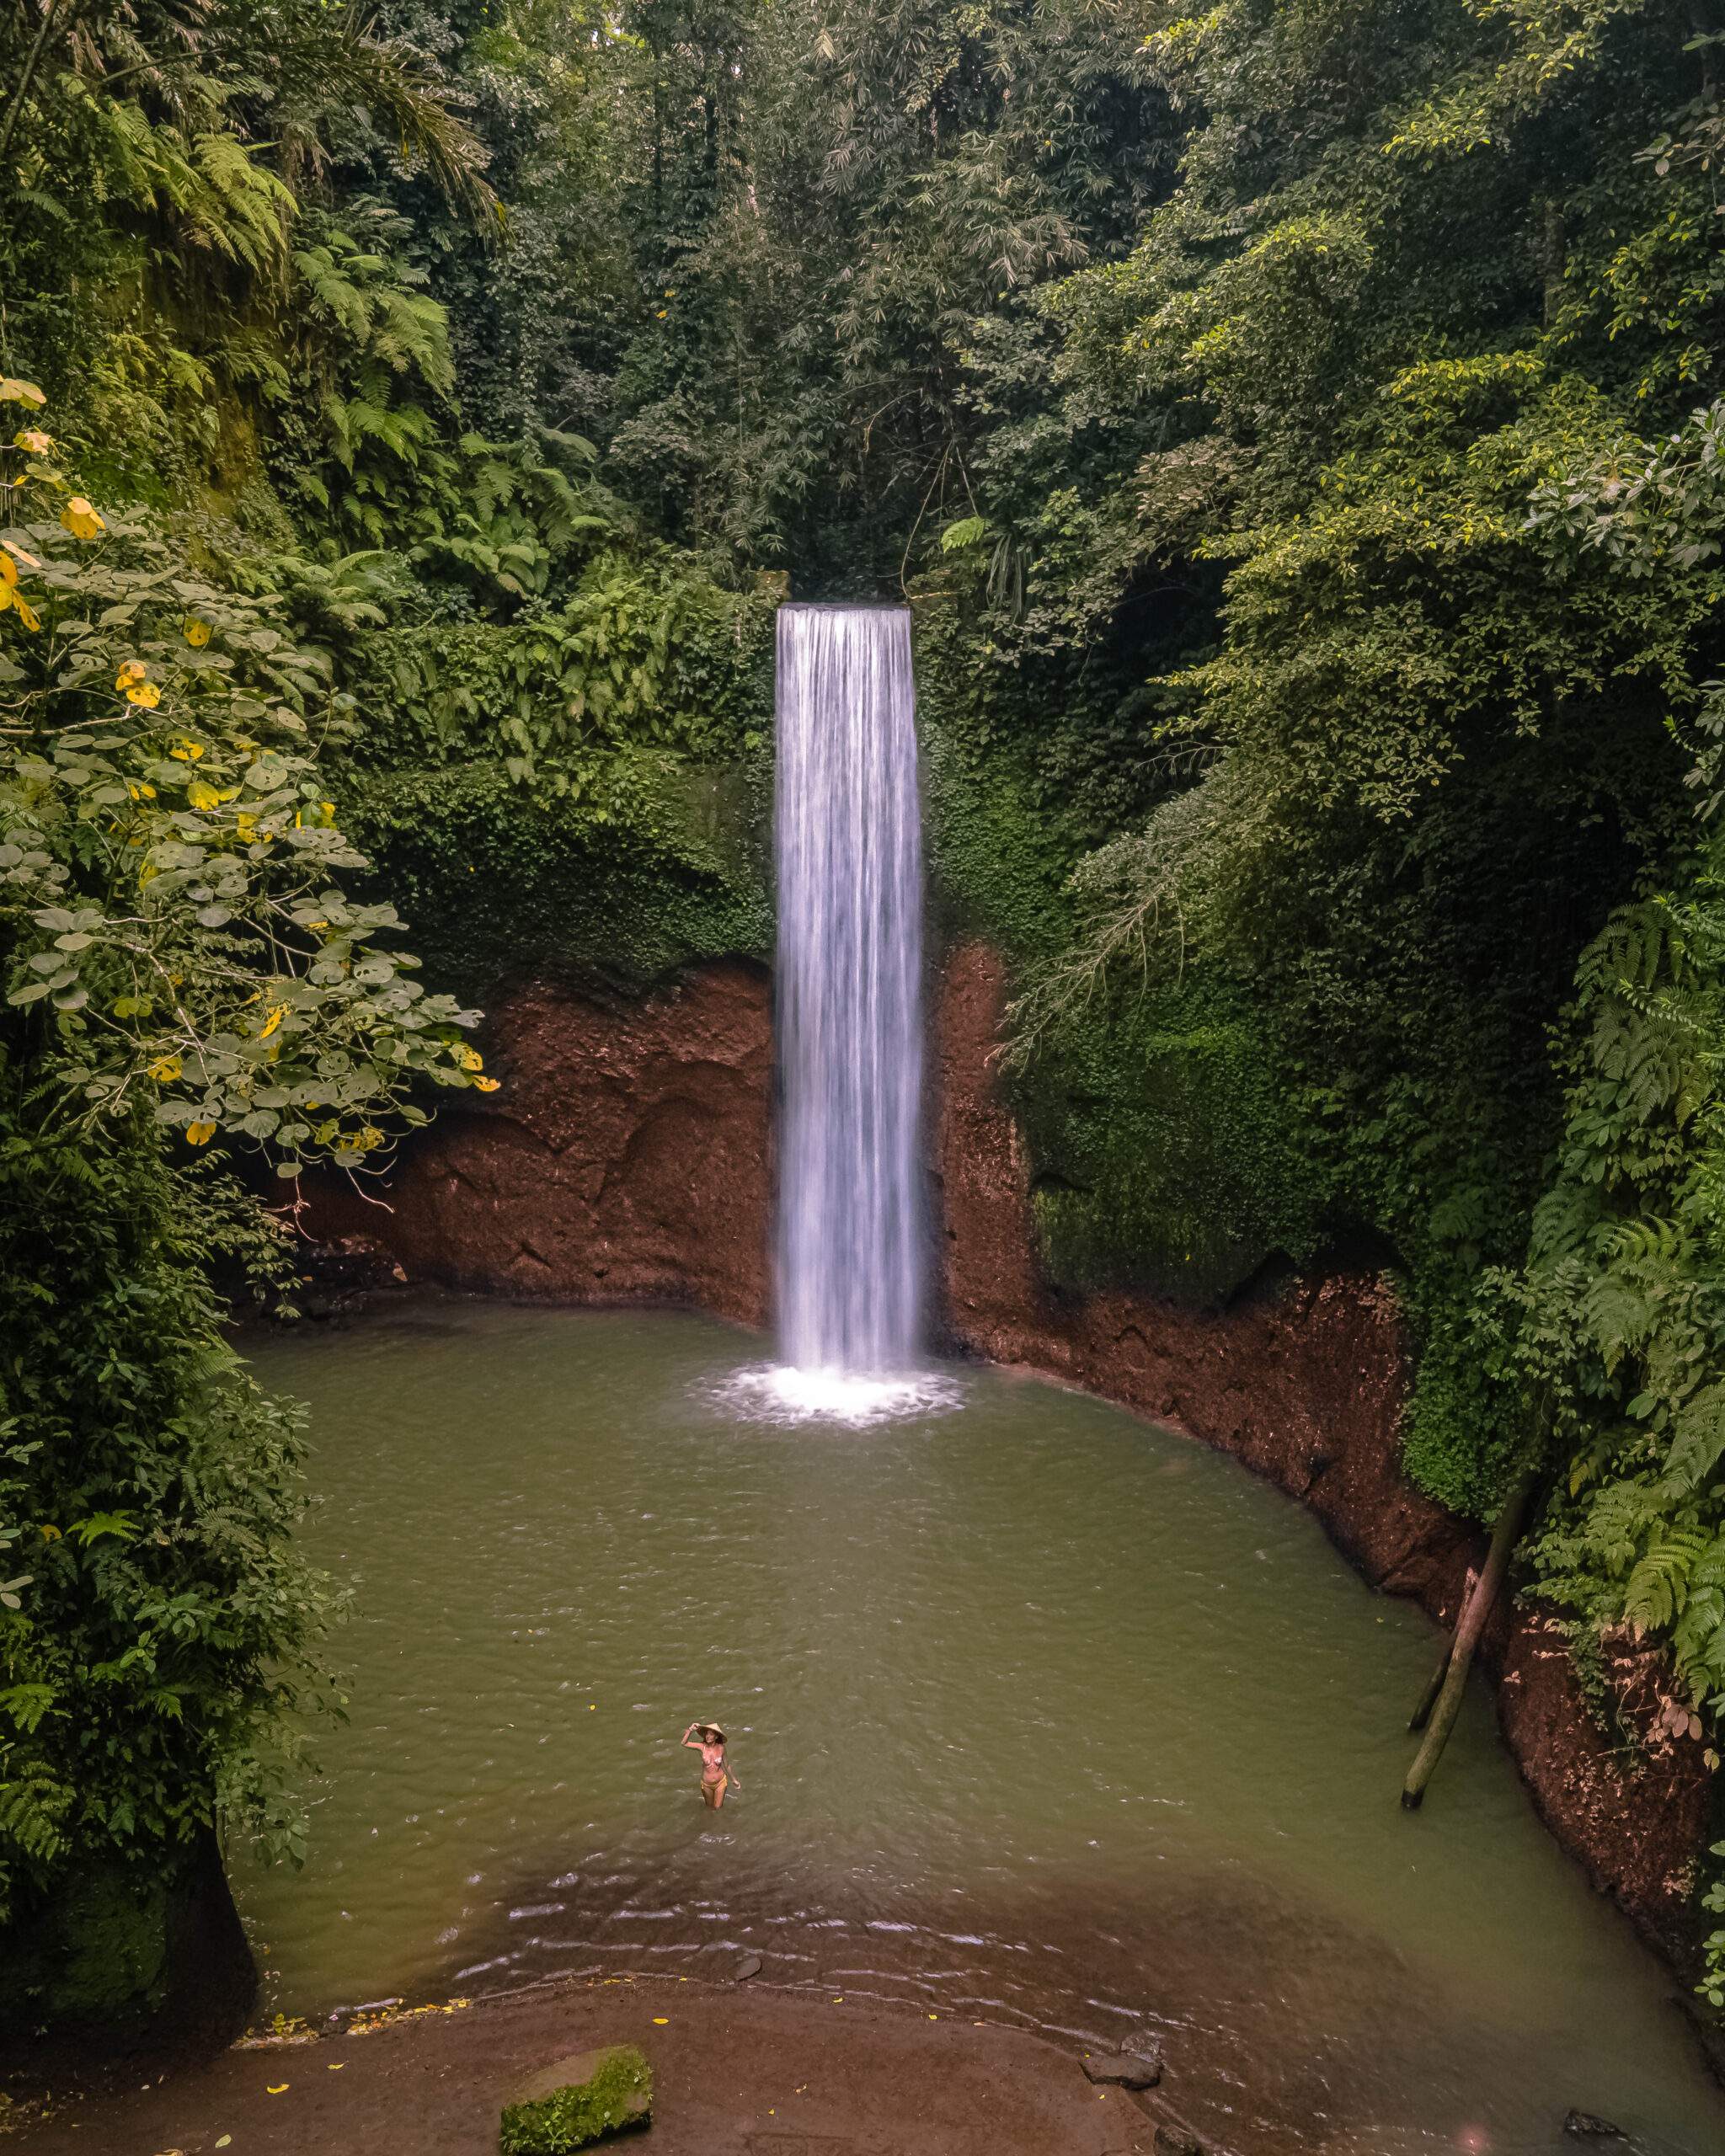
(1041, 1715)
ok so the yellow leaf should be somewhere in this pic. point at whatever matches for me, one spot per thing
(146, 693)
(51, 1534)
(8, 570)
(276, 2088)
(197, 632)
(244, 826)
(273, 1020)
(19, 553)
(662, 2022)
(13, 391)
(167, 1069)
(81, 518)
(200, 1134)
(470, 1058)
(140, 789)
(485, 1085)
(187, 752)
(133, 669)
(201, 796)
(24, 611)
(33, 439)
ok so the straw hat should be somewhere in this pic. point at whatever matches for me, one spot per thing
(712, 1732)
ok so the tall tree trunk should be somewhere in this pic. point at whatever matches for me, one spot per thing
(31, 60)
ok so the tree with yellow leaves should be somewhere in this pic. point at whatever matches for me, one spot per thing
(178, 937)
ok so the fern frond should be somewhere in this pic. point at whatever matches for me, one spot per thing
(1697, 1444)
(1658, 1585)
(34, 1804)
(387, 76)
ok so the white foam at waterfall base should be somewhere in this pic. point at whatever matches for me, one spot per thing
(781, 1393)
(852, 1234)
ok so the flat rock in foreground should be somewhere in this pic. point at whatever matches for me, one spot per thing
(578, 2100)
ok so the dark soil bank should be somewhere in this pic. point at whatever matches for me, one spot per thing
(628, 1158)
(738, 2072)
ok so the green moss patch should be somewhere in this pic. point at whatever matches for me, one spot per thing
(498, 885)
(579, 2100)
(1164, 1146)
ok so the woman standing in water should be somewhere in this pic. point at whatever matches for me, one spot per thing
(708, 1738)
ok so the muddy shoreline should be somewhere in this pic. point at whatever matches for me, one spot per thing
(740, 2070)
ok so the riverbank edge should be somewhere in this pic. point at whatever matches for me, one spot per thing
(734, 2064)
(1304, 1382)
(627, 1159)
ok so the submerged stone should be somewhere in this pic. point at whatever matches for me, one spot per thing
(749, 1966)
(578, 2100)
(1175, 2141)
(1582, 2126)
(1138, 2064)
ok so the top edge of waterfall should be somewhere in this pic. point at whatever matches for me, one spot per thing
(843, 607)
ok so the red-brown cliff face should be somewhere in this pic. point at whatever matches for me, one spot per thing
(627, 1159)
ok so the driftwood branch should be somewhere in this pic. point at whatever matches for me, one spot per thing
(1445, 1694)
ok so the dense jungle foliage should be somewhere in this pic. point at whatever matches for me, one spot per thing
(1301, 428)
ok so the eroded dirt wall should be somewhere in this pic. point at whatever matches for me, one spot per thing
(625, 1157)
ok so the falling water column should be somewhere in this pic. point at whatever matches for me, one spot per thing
(850, 967)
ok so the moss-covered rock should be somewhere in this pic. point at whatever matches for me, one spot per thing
(578, 2100)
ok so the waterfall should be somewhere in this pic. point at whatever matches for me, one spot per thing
(849, 986)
